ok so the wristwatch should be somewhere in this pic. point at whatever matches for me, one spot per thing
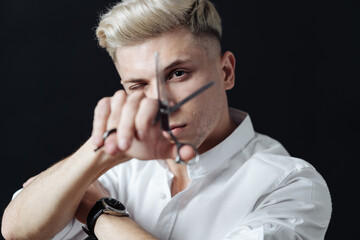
(104, 205)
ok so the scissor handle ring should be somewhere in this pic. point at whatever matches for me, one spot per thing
(178, 158)
(104, 137)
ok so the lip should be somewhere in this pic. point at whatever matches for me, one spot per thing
(177, 129)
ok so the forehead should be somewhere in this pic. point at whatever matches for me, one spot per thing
(172, 46)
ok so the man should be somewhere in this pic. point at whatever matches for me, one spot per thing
(244, 186)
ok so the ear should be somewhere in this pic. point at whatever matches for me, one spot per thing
(228, 69)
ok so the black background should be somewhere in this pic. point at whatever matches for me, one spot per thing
(297, 67)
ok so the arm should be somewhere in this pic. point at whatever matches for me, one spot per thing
(46, 205)
(110, 227)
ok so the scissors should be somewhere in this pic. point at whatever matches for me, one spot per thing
(165, 110)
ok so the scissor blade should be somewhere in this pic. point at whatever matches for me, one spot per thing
(160, 82)
(164, 108)
(191, 96)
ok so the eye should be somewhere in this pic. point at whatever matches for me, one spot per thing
(177, 74)
(137, 86)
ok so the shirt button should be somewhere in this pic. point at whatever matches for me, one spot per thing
(162, 195)
(268, 226)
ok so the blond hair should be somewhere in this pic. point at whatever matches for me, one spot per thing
(132, 22)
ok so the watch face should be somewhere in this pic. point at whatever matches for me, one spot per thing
(114, 203)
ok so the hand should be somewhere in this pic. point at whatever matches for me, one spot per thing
(137, 135)
(94, 193)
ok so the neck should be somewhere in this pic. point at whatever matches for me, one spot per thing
(181, 178)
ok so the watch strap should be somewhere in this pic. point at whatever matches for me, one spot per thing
(100, 207)
(92, 217)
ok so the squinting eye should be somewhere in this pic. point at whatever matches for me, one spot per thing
(136, 87)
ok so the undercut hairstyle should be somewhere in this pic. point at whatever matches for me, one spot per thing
(132, 22)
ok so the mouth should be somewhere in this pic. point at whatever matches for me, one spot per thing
(177, 129)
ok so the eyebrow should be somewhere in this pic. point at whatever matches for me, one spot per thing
(136, 80)
(176, 63)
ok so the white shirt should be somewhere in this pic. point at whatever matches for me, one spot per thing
(247, 187)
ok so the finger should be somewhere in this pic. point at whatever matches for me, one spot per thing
(110, 145)
(101, 114)
(144, 119)
(117, 103)
(126, 127)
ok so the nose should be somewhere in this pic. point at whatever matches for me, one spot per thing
(151, 91)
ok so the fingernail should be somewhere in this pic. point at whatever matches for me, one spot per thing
(123, 144)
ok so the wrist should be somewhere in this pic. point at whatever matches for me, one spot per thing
(104, 206)
(106, 223)
(111, 227)
(99, 162)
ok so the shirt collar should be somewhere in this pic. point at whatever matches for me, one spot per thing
(219, 156)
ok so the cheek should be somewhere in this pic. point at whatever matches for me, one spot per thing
(205, 114)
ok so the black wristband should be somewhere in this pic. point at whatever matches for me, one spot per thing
(105, 205)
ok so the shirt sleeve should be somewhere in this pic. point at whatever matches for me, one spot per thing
(298, 208)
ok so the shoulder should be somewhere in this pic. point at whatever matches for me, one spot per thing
(289, 175)
(278, 167)
(267, 154)
(280, 163)
(269, 163)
